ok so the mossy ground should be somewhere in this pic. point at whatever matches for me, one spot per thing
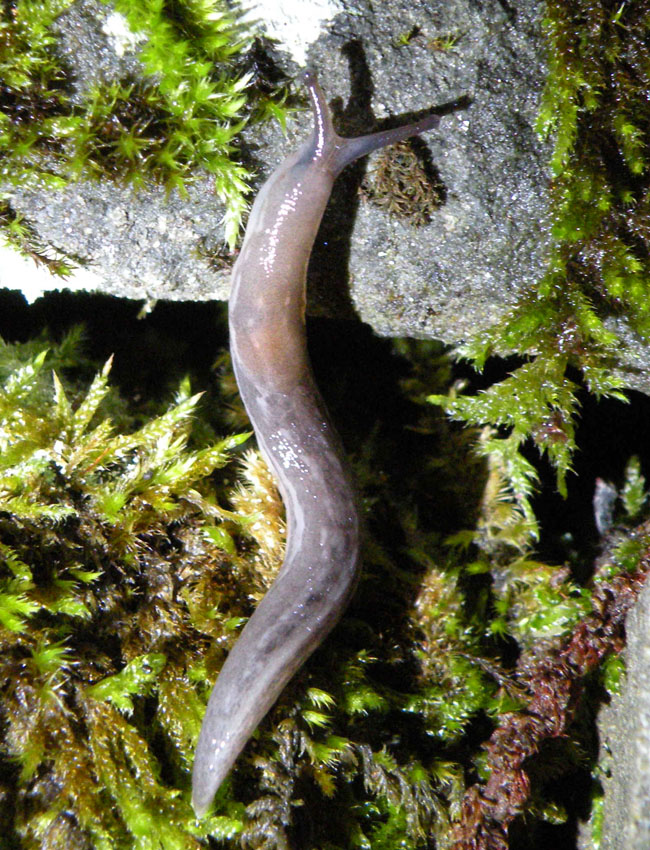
(446, 704)
(128, 567)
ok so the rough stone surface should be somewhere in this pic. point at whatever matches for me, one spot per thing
(139, 245)
(625, 743)
(489, 239)
(485, 243)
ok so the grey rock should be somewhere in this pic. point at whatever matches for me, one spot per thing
(93, 54)
(141, 245)
(490, 239)
(484, 245)
(625, 742)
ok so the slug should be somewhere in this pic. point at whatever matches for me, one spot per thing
(296, 437)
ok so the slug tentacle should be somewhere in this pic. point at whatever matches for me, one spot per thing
(294, 432)
(340, 151)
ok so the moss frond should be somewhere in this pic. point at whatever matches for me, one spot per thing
(594, 107)
(536, 401)
(134, 679)
(257, 500)
(21, 235)
(634, 493)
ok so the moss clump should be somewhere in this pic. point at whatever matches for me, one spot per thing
(403, 184)
(595, 104)
(180, 117)
(104, 613)
(124, 582)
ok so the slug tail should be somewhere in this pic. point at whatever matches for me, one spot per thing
(344, 151)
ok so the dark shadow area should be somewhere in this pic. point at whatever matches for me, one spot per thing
(151, 354)
(608, 434)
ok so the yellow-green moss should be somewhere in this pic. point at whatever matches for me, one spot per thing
(127, 568)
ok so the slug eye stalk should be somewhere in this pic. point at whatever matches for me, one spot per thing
(341, 151)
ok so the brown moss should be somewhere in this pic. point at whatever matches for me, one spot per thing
(403, 182)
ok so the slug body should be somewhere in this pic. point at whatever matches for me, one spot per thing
(269, 355)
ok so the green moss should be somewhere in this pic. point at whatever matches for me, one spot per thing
(124, 581)
(180, 118)
(91, 623)
(595, 106)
